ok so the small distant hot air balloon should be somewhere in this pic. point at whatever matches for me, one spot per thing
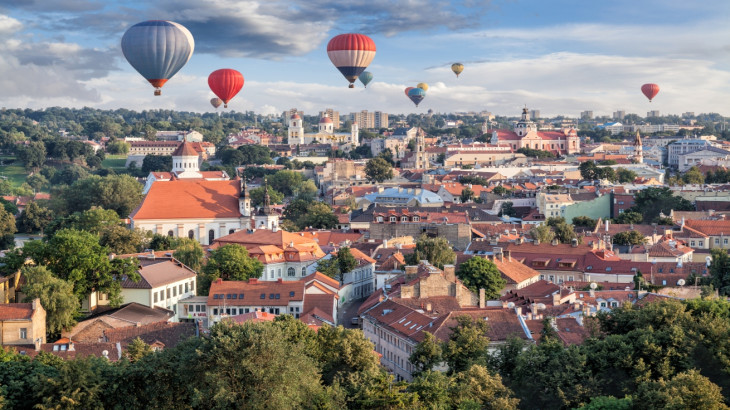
(409, 89)
(225, 83)
(216, 102)
(351, 54)
(457, 68)
(365, 78)
(650, 90)
(423, 86)
(157, 49)
(416, 95)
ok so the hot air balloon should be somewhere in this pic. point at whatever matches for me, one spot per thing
(225, 83)
(216, 102)
(416, 95)
(423, 86)
(157, 49)
(365, 78)
(457, 68)
(409, 89)
(650, 90)
(351, 54)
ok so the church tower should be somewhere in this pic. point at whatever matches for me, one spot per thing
(266, 218)
(244, 200)
(638, 149)
(354, 135)
(185, 161)
(296, 130)
(421, 161)
(326, 126)
(525, 125)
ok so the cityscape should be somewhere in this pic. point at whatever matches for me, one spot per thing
(417, 205)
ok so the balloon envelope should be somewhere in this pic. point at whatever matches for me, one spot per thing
(416, 95)
(650, 90)
(365, 78)
(216, 102)
(225, 83)
(409, 89)
(457, 68)
(423, 86)
(351, 54)
(157, 49)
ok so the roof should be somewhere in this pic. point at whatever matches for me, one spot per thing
(167, 333)
(159, 272)
(503, 324)
(185, 150)
(514, 271)
(190, 199)
(16, 311)
(255, 317)
(325, 120)
(710, 228)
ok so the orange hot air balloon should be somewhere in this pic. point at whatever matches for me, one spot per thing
(216, 102)
(409, 89)
(225, 83)
(650, 90)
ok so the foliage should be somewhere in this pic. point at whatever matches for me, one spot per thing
(436, 251)
(467, 344)
(720, 270)
(481, 273)
(507, 209)
(466, 195)
(122, 240)
(426, 354)
(585, 222)
(473, 180)
(693, 176)
(625, 176)
(257, 196)
(286, 181)
(542, 233)
(189, 252)
(378, 170)
(629, 217)
(137, 350)
(629, 238)
(34, 218)
(536, 153)
(499, 190)
(7, 229)
(231, 262)
(319, 216)
(608, 403)
(652, 201)
(56, 296)
(120, 193)
(156, 163)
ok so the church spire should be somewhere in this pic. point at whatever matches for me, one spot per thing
(267, 198)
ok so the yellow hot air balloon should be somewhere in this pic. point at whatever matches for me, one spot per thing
(457, 68)
(423, 86)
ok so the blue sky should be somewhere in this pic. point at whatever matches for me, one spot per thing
(561, 57)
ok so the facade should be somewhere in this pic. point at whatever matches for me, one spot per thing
(684, 146)
(325, 133)
(454, 226)
(314, 297)
(140, 149)
(190, 136)
(164, 281)
(525, 135)
(361, 280)
(22, 323)
(709, 155)
(401, 197)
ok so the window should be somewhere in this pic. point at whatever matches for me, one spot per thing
(174, 292)
(291, 294)
(304, 271)
(263, 296)
(276, 311)
(717, 241)
(271, 274)
(278, 273)
(23, 332)
(271, 295)
(290, 272)
(404, 219)
(191, 234)
(240, 295)
(416, 218)
(380, 219)
(215, 311)
(724, 241)
(234, 296)
(186, 288)
(278, 295)
(168, 293)
(155, 295)
(230, 231)
(179, 289)
(691, 243)
(169, 233)
(211, 236)
(392, 219)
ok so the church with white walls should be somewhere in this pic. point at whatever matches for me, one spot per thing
(325, 133)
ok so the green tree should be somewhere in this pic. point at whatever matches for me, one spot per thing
(507, 209)
(589, 171)
(693, 176)
(466, 195)
(686, 390)
(625, 176)
(37, 181)
(257, 196)
(329, 267)
(117, 147)
(467, 344)
(286, 181)
(56, 296)
(34, 218)
(652, 201)
(542, 233)
(426, 354)
(478, 388)
(378, 170)
(296, 209)
(255, 154)
(629, 217)
(345, 261)
(122, 240)
(7, 229)
(231, 262)
(156, 163)
(121, 193)
(437, 251)
(608, 403)
(585, 222)
(481, 273)
(190, 252)
(629, 238)
(499, 190)
(33, 155)
(137, 350)
(319, 216)
(720, 270)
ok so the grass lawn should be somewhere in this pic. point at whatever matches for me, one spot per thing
(114, 161)
(14, 172)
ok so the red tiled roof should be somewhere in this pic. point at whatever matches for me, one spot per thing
(183, 199)
(185, 149)
(503, 324)
(16, 311)
(167, 333)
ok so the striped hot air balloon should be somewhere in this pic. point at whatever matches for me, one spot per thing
(351, 54)
(225, 83)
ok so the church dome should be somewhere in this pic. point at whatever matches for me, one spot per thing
(295, 117)
(325, 120)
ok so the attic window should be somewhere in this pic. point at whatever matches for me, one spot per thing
(228, 296)
(402, 320)
(278, 295)
(234, 296)
(240, 295)
(608, 269)
(215, 296)
(589, 267)
(291, 294)
(263, 296)
(271, 295)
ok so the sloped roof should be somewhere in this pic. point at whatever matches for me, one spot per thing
(183, 199)
(168, 333)
(159, 272)
(16, 311)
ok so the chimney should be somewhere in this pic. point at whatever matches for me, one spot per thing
(428, 307)
(450, 273)
(411, 272)
(280, 280)
(536, 242)
(138, 324)
(250, 280)
(508, 254)
(219, 280)
(37, 343)
(518, 310)
(482, 298)
(556, 298)
(607, 222)
(71, 347)
(385, 244)
(497, 251)
(592, 293)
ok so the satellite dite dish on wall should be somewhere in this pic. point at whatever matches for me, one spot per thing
(680, 282)
(593, 285)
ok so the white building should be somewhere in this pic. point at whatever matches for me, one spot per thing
(324, 134)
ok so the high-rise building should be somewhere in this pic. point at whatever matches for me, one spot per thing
(534, 114)
(381, 119)
(586, 115)
(291, 112)
(653, 113)
(333, 115)
(363, 119)
(619, 114)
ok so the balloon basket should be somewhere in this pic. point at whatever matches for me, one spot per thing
(158, 92)
(351, 86)
(225, 105)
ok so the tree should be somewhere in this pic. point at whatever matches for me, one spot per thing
(426, 354)
(137, 350)
(255, 154)
(608, 403)
(542, 233)
(387, 156)
(466, 195)
(257, 196)
(588, 170)
(607, 173)
(378, 170)
(693, 176)
(190, 252)
(565, 233)
(653, 201)
(156, 163)
(499, 190)
(625, 176)
(329, 267)
(319, 216)
(286, 181)
(629, 238)
(629, 217)
(33, 155)
(481, 273)
(37, 181)
(231, 262)
(34, 218)
(585, 222)
(56, 296)
(467, 344)
(7, 229)
(122, 240)
(507, 209)
(720, 270)
(345, 262)
(121, 193)
(686, 390)
(437, 251)
(117, 147)
(478, 388)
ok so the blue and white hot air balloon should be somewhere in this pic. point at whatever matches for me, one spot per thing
(157, 49)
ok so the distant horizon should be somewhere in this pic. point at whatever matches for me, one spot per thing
(558, 57)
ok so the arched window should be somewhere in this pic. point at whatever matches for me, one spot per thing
(290, 272)
(170, 233)
(191, 234)
(211, 236)
(278, 273)
(230, 231)
(304, 271)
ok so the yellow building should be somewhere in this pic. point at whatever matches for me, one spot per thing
(22, 323)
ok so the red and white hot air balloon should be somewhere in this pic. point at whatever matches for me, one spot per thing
(351, 54)
(650, 90)
(225, 83)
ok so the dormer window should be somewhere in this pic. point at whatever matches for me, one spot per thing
(416, 218)
(393, 219)
(380, 219)
(404, 219)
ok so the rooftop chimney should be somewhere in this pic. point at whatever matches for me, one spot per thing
(450, 273)
(497, 251)
(607, 222)
(411, 272)
(482, 298)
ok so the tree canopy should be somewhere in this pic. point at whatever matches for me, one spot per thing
(481, 273)
(436, 251)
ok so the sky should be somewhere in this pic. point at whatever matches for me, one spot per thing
(559, 56)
